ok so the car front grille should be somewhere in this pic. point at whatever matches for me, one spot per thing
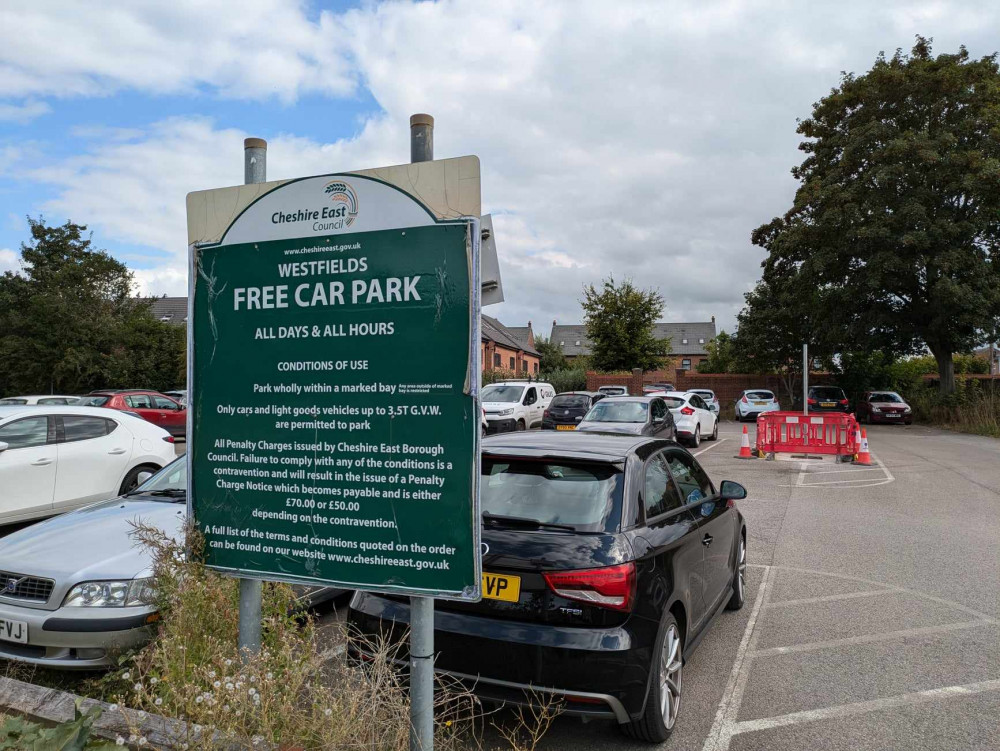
(23, 587)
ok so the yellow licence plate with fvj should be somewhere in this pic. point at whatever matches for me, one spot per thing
(565, 427)
(501, 587)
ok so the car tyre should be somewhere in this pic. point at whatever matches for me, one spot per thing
(131, 481)
(715, 431)
(521, 425)
(696, 438)
(663, 701)
(739, 577)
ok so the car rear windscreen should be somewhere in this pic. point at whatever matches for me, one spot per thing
(614, 410)
(826, 392)
(93, 401)
(570, 400)
(760, 395)
(582, 495)
(704, 394)
(673, 402)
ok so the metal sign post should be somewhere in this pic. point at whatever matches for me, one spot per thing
(254, 171)
(805, 379)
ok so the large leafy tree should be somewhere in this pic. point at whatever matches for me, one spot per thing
(69, 322)
(895, 227)
(721, 356)
(551, 355)
(620, 322)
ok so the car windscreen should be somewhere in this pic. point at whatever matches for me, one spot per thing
(617, 411)
(570, 400)
(759, 395)
(170, 482)
(826, 392)
(886, 396)
(93, 401)
(498, 393)
(585, 496)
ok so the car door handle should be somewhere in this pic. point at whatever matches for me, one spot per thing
(42, 462)
(707, 540)
(117, 451)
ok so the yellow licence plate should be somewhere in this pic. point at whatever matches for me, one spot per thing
(827, 404)
(501, 587)
(760, 404)
(565, 427)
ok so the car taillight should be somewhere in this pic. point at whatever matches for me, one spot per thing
(744, 400)
(168, 438)
(610, 587)
(811, 402)
(687, 411)
(843, 402)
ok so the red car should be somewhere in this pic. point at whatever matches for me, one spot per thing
(150, 405)
(884, 406)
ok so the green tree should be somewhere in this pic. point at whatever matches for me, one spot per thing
(620, 320)
(721, 355)
(552, 358)
(69, 322)
(896, 223)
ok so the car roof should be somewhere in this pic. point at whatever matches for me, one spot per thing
(578, 393)
(609, 447)
(62, 409)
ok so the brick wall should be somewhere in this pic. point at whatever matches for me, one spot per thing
(727, 386)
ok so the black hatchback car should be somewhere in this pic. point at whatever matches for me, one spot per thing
(605, 559)
(828, 399)
(567, 409)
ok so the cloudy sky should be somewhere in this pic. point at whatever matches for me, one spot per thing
(643, 139)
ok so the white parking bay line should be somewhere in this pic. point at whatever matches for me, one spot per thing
(721, 440)
(869, 638)
(721, 734)
(864, 707)
(829, 598)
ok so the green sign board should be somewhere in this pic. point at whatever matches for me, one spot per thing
(333, 360)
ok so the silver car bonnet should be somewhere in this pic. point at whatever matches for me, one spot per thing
(91, 544)
(631, 428)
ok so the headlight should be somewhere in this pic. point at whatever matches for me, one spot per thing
(110, 594)
(505, 412)
(876, 409)
(907, 410)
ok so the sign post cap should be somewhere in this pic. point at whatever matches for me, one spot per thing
(254, 143)
(421, 119)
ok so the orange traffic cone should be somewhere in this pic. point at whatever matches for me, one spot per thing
(745, 446)
(863, 456)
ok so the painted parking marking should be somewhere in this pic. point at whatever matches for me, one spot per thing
(720, 736)
(716, 443)
(864, 707)
(868, 481)
(869, 638)
(726, 726)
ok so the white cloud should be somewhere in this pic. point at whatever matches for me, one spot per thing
(23, 113)
(9, 260)
(253, 49)
(646, 140)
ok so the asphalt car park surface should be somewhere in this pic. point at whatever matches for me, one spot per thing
(873, 606)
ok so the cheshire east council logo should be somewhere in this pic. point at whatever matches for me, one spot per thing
(342, 193)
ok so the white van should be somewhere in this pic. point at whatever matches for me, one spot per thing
(515, 405)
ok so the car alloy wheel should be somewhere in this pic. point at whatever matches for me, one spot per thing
(740, 579)
(696, 440)
(715, 430)
(671, 669)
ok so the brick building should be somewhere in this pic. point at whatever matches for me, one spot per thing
(687, 340)
(508, 348)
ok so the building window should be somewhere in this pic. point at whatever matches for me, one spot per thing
(686, 364)
(496, 360)
(701, 341)
(524, 366)
(512, 367)
(684, 341)
(536, 367)
(561, 343)
(577, 342)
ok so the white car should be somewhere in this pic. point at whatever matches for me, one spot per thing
(58, 458)
(48, 399)
(754, 402)
(613, 390)
(708, 396)
(693, 420)
(515, 405)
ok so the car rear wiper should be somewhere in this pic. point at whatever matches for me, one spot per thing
(498, 520)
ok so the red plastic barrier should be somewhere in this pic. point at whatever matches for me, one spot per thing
(831, 433)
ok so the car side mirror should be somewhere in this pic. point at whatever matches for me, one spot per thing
(732, 491)
(4, 446)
